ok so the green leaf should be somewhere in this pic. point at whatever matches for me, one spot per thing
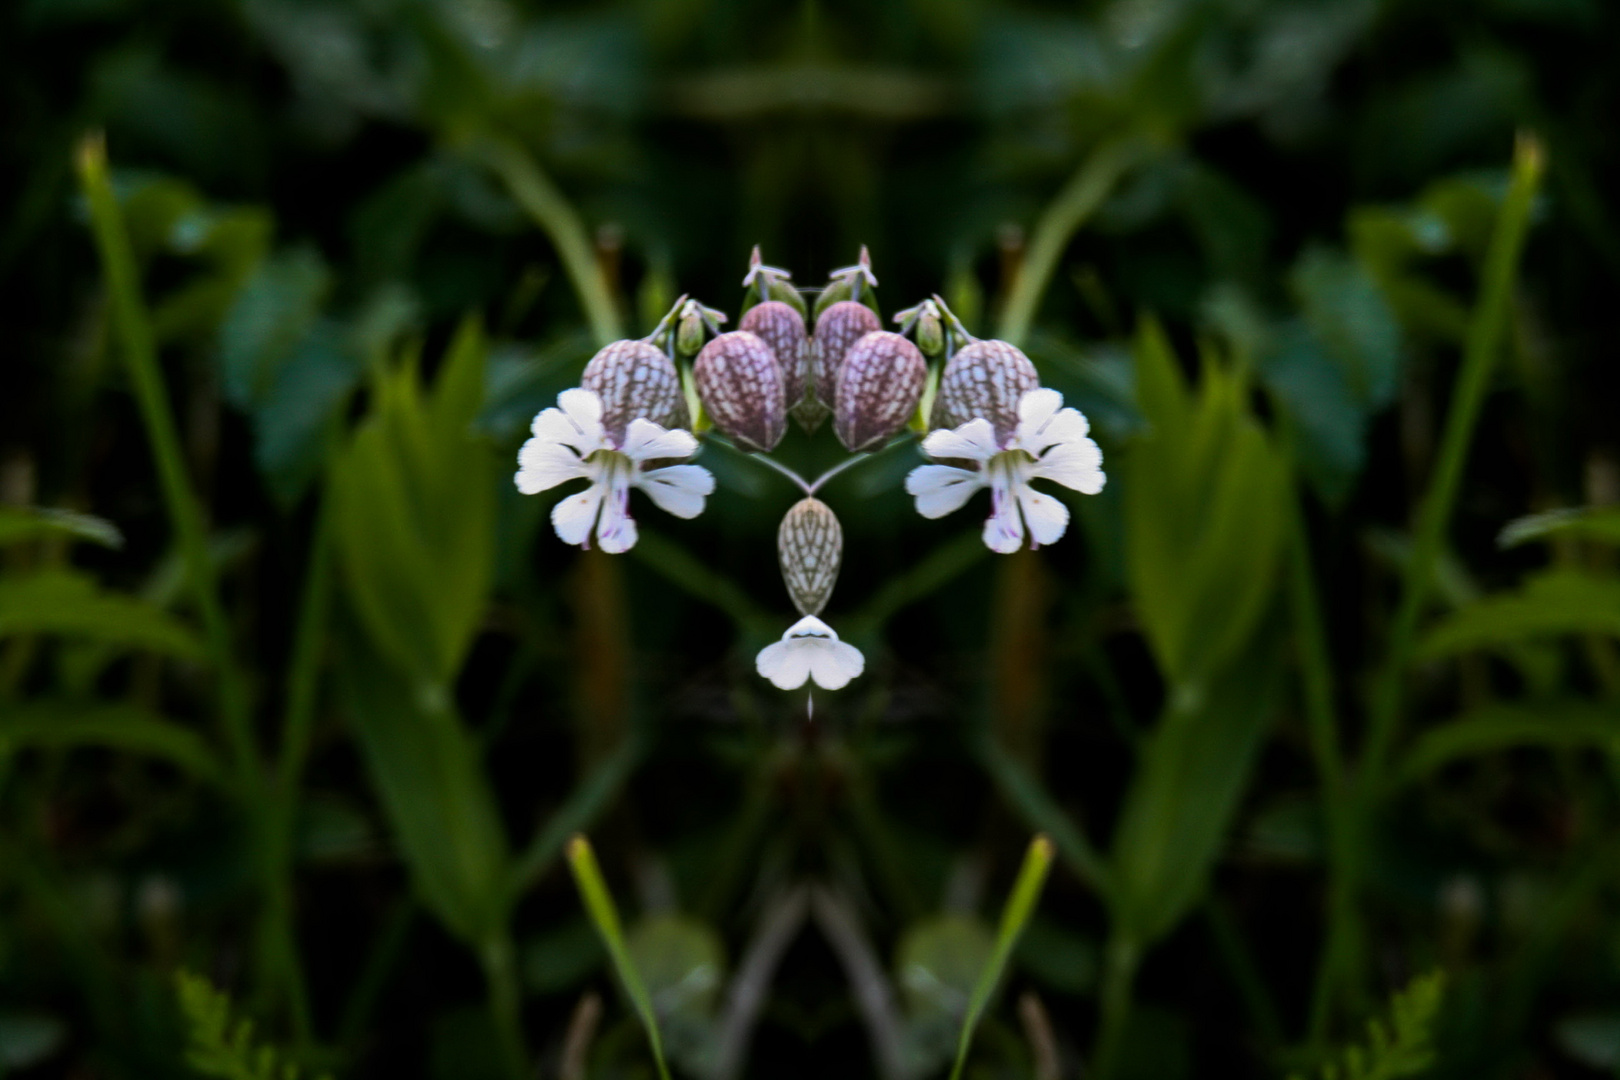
(1503, 727)
(413, 504)
(114, 727)
(1549, 603)
(1193, 770)
(938, 962)
(70, 603)
(22, 523)
(219, 1046)
(604, 915)
(1600, 524)
(427, 770)
(1204, 512)
(1026, 893)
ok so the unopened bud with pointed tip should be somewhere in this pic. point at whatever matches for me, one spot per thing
(840, 326)
(689, 334)
(810, 545)
(985, 378)
(878, 388)
(782, 328)
(742, 389)
(635, 379)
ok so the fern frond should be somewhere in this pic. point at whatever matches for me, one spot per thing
(1399, 1048)
(219, 1048)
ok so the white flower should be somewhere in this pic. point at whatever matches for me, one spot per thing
(810, 650)
(570, 442)
(1049, 443)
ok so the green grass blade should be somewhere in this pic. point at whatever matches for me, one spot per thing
(132, 324)
(605, 916)
(1486, 331)
(1026, 892)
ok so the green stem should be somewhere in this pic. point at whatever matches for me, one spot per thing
(1119, 973)
(1340, 963)
(1485, 332)
(1086, 190)
(506, 1004)
(543, 201)
(133, 325)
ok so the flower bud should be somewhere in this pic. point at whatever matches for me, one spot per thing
(689, 334)
(930, 333)
(741, 387)
(810, 544)
(878, 388)
(782, 328)
(635, 379)
(986, 378)
(839, 327)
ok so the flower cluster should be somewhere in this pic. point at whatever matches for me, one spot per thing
(631, 422)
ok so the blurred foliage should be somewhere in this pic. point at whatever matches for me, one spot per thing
(303, 696)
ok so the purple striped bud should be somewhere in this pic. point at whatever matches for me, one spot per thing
(840, 326)
(810, 544)
(782, 328)
(742, 389)
(635, 379)
(986, 378)
(879, 386)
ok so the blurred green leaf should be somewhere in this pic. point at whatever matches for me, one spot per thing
(938, 961)
(115, 727)
(70, 603)
(1193, 770)
(413, 501)
(1553, 724)
(1561, 601)
(1596, 523)
(682, 964)
(428, 772)
(1204, 515)
(20, 523)
(561, 957)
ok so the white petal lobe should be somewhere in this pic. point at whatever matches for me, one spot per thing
(678, 489)
(574, 517)
(646, 441)
(940, 489)
(974, 440)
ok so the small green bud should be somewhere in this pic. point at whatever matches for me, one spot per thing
(689, 334)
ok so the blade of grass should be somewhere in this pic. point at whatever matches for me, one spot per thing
(1026, 892)
(1031, 801)
(1486, 330)
(549, 207)
(588, 800)
(133, 325)
(599, 906)
(682, 568)
(1086, 190)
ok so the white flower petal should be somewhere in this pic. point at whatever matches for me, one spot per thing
(834, 663)
(785, 663)
(678, 489)
(1076, 464)
(1064, 426)
(574, 516)
(616, 532)
(940, 489)
(974, 440)
(1004, 529)
(578, 423)
(1035, 408)
(810, 649)
(646, 441)
(543, 464)
(1047, 517)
